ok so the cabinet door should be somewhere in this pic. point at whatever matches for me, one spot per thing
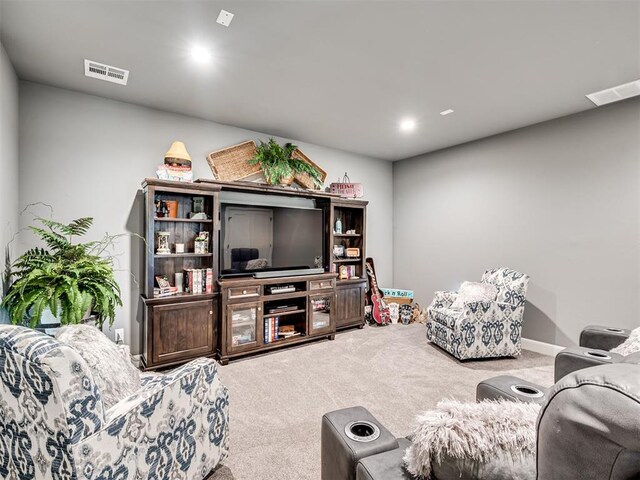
(182, 330)
(320, 317)
(349, 305)
(243, 322)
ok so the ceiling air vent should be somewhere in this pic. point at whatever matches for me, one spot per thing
(105, 72)
(610, 95)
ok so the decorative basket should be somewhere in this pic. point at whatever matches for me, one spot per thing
(232, 163)
(304, 179)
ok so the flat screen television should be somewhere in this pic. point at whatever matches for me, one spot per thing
(263, 238)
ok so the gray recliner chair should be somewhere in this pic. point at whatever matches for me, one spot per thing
(595, 345)
(587, 429)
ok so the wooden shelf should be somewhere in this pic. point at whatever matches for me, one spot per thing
(182, 220)
(286, 340)
(348, 260)
(182, 255)
(282, 314)
(347, 235)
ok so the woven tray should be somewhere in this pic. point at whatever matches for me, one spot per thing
(304, 179)
(231, 163)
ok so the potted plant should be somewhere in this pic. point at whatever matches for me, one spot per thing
(279, 165)
(67, 278)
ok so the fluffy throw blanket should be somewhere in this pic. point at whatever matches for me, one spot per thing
(630, 345)
(478, 432)
(110, 365)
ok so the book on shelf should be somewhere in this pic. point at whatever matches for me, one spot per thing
(272, 329)
(164, 291)
(198, 280)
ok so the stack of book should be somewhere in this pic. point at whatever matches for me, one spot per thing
(271, 325)
(198, 280)
(164, 291)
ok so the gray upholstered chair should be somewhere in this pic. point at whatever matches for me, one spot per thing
(588, 429)
(595, 345)
(481, 329)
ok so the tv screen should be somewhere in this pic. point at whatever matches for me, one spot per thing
(267, 238)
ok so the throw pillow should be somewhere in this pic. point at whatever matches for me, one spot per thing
(475, 292)
(630, 345)
(114, 374)
(490, 438)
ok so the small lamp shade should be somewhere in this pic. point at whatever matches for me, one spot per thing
(177, 154)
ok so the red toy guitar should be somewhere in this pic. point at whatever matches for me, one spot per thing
(380, 310)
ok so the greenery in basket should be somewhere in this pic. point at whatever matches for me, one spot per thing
(279, 166)
(66, 277)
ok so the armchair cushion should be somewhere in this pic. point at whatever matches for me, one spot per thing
(477, 437)
(114, 374)
(630, 345)
(474, 292)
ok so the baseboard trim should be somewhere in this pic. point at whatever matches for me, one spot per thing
(541, 347)
(136, 360)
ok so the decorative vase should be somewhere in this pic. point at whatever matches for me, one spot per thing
(172, 207)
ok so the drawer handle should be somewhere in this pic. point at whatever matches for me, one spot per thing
(259, 308)
(210, 312)
(244, 292)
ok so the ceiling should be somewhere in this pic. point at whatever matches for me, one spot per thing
(340, 74)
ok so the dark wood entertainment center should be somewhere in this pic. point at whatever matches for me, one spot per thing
(239, 316)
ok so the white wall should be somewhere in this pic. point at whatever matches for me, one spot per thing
(559, 201)
(8, 157)
(86, 156)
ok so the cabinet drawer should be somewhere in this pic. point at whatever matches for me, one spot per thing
(243, 292)
(321, 284)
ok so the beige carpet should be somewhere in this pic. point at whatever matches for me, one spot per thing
(277, 400)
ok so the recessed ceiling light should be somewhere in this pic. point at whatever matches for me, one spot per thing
(446, 112)
(407, 125)
(224, 18)
(200, 54)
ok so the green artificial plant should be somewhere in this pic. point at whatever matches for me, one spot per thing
(278, 164)
(66, 277)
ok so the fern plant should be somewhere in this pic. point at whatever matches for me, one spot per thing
(278, 164)
(66, 277)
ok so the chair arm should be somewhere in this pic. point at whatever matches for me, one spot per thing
(590, 424)
(603, 338)
(572, 359)
(177, 424)
(443, 299)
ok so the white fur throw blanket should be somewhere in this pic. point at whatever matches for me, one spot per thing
(630, 345)
(476, 431)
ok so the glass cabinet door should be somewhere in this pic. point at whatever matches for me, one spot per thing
(320, 313)
(243, 320)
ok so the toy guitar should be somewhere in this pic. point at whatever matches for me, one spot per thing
(380, 310)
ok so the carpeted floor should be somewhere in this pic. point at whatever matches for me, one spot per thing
(277, 400)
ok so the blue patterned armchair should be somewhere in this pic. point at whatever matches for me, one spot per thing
(481, 329)
(53, 424)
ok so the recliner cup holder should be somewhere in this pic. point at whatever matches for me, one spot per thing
(527, 391)
(362, 431)
(601, 355)
(614, 330)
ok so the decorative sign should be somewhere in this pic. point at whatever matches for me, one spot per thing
(347, 189)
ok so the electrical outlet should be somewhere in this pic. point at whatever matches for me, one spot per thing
(119, 335)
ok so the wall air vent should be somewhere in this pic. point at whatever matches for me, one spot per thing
(105, 72)
(614, 94)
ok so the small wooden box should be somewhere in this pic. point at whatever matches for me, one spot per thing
(353, 252)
